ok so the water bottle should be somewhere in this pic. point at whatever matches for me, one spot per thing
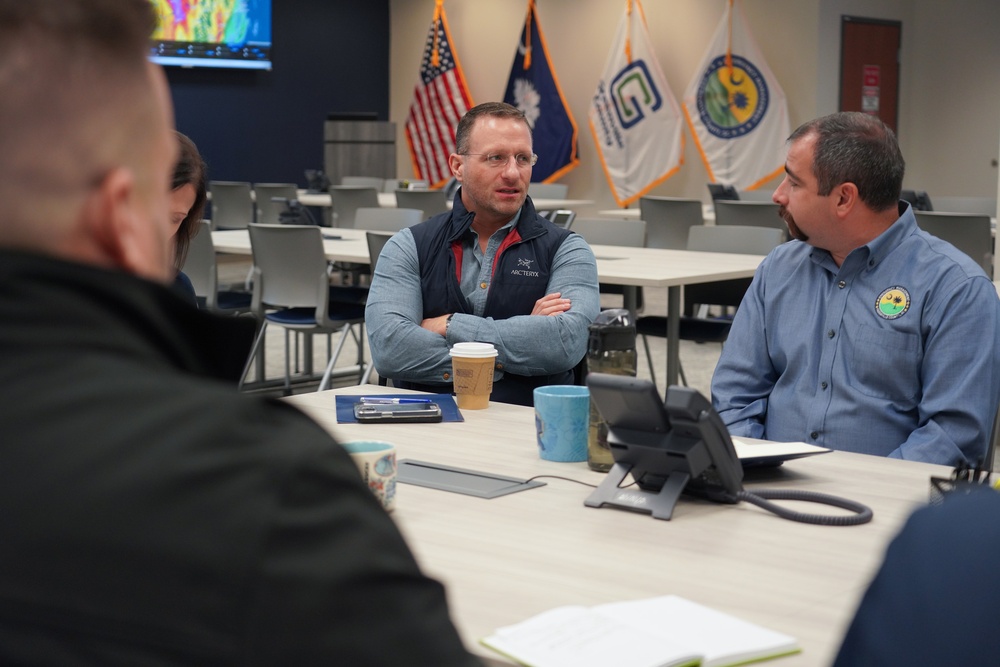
(611, 350)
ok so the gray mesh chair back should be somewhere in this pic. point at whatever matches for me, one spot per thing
(386, 219)
(596, 231)
(268, 211)
(200, 266)
(548, 190)
(431, 202)
(364, 182)
(700, 327)
(752, 213)
(969, 233)
(763, 195)
(740, 240)
(291, 260)
(977, 205)
(232, 204)
(292, 290)
(737, 239)
(349, 198)
(668, 220)
(376, 241)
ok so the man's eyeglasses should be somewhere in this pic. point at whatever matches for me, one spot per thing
(502, 159)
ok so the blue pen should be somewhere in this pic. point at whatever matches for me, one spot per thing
(368, 400)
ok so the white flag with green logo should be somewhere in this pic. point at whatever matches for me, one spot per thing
(736, 110)
(635, 119)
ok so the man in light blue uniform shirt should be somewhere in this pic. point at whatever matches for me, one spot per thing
(864, 333)
(490, 270)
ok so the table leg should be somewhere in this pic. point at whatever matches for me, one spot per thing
(630, 299)
(673, 333)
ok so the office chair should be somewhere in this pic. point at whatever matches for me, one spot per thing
(379, 219)
(752, 213)
(347, 199)
(268, 211)
(969, 233)
(431, 202)
(700, 328)
(376, 241)
(232, 204)
(200, 267)
(668, 220)
(976, 205)
(548, 190)
(760, 195)
(291, 288)
(364, 182)
(632, 233)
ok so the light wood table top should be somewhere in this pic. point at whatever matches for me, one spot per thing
(388, 200)
(707, 213)
(620, 265)
(350, 247)
(506, 559)
(656, 267)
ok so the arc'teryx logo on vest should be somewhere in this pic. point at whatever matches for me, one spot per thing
(523, 269)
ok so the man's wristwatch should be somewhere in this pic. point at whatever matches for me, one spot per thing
(447, 324)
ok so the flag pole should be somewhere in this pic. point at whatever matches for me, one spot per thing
(729, 43)
(527, 35)
(628, 36)
(435, 55)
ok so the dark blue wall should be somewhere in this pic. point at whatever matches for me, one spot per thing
(267, 126)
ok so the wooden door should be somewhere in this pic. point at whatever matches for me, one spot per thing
(869, 67)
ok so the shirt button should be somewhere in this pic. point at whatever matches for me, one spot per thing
(823, 385)
(499, 366)
(814, 435)
(831, 333)
(447, 376)
(483, 285)
(842, 284)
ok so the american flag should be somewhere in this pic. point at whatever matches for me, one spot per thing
(439, 101)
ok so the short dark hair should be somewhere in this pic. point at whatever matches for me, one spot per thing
(486, 109)
(855, 147)
(113, 28)
(190, 170)
(66, 66)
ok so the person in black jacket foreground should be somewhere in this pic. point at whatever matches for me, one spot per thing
(152, 515)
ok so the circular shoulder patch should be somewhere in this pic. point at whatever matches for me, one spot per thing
(892, 303)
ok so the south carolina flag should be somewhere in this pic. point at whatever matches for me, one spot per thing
(634, 117)
(736, 110)
(534, 89)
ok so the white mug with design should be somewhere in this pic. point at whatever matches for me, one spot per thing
(376, 462)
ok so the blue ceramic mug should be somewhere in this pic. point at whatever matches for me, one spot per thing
(562, 419)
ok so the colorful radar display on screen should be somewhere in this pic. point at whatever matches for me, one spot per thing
(213, 33)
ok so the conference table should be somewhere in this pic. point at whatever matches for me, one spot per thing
(707, 213)
(618, 265)
(388, 200)
(506, 559)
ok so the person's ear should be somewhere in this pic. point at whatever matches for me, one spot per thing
(117, 227)
(456, 164)
(845, 198)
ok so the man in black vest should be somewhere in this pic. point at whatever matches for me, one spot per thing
(491, 270)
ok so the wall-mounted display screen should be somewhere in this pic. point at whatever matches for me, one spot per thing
(213, 33)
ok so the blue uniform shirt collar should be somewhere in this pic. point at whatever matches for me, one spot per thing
(872, 253)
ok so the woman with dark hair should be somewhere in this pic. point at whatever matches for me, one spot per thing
(187, 204)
